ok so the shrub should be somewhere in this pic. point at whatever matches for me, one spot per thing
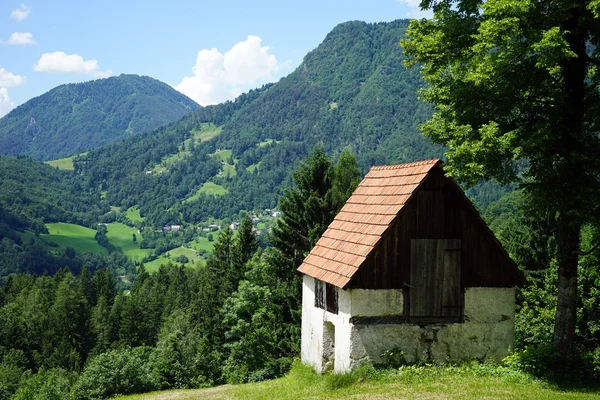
(117, 372)
(54, 384)
(544, 362)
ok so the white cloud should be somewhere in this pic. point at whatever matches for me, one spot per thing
(21, 13)
(21, 39)
(8, 79)
(414, 11)
(219, 77)
(6, 104)
(60, 61)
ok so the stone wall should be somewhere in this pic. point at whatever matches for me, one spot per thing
(486, 334)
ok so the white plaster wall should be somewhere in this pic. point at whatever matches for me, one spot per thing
(371, 303)
(312, 326)
(313, 320)
(486, 334)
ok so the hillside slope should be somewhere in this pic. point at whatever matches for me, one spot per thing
(72, 118)
(352, 90)
(464, 382)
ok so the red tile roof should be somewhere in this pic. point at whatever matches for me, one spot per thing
(362, 221)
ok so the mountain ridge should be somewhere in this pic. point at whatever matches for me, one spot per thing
(77, 117)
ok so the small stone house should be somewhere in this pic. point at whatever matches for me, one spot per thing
(407, 267)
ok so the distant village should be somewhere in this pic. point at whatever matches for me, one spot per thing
(234, 225)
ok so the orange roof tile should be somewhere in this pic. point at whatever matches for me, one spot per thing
(361, 223)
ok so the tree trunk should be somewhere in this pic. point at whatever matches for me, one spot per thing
(566, 306)
(571, 178)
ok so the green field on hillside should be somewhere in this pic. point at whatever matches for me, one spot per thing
(422, 382)
(121, 235)
(70, 235)
(209, 188)
(206, 132)
(62, 163)
(191, 254)
(133, 213)
(204, 243)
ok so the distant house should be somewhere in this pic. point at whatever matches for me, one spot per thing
(407, 265)
(213, 227)
(172, 228)
(148, 172)
(276, 214)
(234, 225)
(254, 219)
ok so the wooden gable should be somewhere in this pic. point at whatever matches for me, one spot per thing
(368, 245)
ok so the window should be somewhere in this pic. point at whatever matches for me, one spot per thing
(319, 294)
(331, 297)
(326, 296)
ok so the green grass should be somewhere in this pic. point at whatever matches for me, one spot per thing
(267, 142)
(191, 254)
(153, 266)
(206, 132)
(209, 188)
(477, 382)
(133, 213)
(70, 235)
(223, 154)
(251, 168)
(62, 163)
(204, 244)
(121, 235)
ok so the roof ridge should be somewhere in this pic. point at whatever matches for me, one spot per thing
(406, 165)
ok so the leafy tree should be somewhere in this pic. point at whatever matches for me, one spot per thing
(515, 90)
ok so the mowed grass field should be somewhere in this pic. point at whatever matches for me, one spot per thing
(121, 235)
(62, 163)
(133, 213)
(209, 188)
(426, 383)
(70, 235)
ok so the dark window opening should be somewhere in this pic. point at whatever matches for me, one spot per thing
(331, 297)
(326, 296)
(319, 294)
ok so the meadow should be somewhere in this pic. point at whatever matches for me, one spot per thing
(70, 235)
(412, 382)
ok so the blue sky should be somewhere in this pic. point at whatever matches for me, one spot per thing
(210, 50)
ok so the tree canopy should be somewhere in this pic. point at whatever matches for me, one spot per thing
(514, 84)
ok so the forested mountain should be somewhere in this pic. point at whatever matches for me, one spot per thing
(351, 91)
(72, 118)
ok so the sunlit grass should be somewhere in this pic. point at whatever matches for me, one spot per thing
(78, 237)
(429, 382)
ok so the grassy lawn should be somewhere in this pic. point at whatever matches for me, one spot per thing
(251, 168)
(70, 235)
(153, 266)
(121, 235)
(204, 244)
(404, 383)
(133, 213)
(191, 254)
(209, 188)
(268, 141)
(62, 163)
(223, 154)
(206, 132)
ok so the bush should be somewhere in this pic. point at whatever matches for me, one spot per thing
(117, 372)
(543, 362)
(54, 384)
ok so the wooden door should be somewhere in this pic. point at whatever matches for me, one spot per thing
(434, 290)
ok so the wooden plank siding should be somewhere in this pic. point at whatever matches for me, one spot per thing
(438, 210)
